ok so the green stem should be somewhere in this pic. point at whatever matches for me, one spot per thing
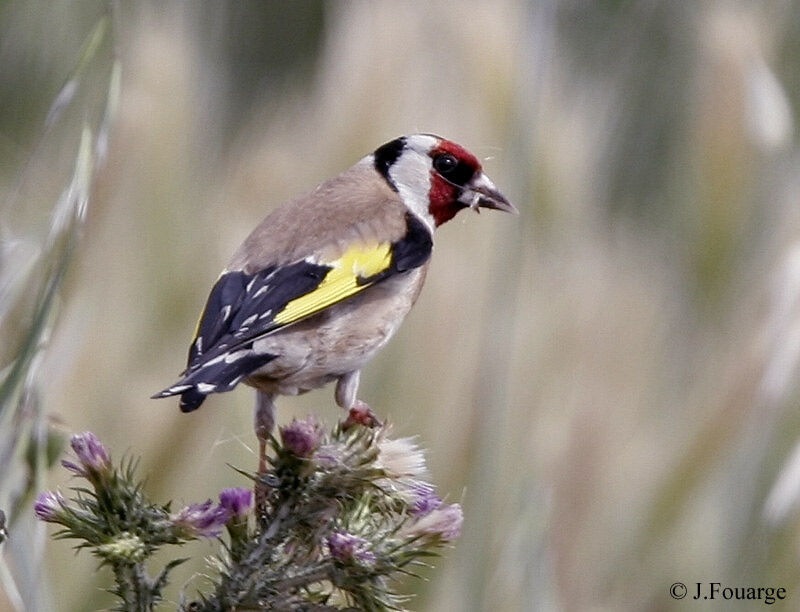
(315, 574)
(282, 591)
(135, 587)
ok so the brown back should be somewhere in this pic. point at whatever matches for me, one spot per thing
(355, 206)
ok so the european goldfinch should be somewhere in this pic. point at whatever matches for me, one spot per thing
(324, 282)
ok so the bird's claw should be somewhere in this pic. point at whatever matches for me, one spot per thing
(361, 414)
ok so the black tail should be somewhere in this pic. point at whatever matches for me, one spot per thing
(191, 397)
(191, 400)
(218, 376)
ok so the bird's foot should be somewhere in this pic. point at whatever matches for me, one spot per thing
(360, 414)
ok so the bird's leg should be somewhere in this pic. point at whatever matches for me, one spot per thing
(264, 421)
(358, 412)
(347, 389)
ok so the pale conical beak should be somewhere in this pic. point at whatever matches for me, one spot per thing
(480, 192)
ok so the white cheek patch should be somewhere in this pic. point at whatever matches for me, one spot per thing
(411, 174)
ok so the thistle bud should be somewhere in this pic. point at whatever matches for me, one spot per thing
(49, 506)
(94, 460)
(422, 498)
(444, 522)
(237, 501)
(302, 438)
(124, 547)
(201, 520)
(347, 548)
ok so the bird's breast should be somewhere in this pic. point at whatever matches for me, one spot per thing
(338, 340)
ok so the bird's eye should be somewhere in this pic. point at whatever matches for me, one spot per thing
(445, 163)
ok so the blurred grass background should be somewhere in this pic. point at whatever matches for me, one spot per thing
(608, 382)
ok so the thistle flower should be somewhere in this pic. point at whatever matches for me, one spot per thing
(347, 548)
(49, 506)
(400, 458)
(443, 522)
(95, 462)
(302, 438)
(422, 498)
(236, 501)
(201, 519)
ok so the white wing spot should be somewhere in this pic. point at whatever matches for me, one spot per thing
(205, 387)
(249, 287)
(236, 356)
(179, 388)
(249, 321)
(266, 314)
(261, 290)
(235, 382)
(217, 359)
(198, 344)
(225, 312)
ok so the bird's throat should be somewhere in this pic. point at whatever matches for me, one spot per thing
(444, 202)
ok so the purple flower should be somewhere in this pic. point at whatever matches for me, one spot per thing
(302, 438)
(48, 506)
(444, 522)
(423, 498)
(237, 501)
(92, 455)
(201, 519)
(346, 547)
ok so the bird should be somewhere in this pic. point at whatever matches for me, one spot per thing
(324, 281)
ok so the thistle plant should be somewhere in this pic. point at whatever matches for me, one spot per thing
(336, 521)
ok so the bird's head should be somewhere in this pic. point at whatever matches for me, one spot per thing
(437, 178)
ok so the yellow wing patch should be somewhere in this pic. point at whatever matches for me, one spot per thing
(341, 282)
